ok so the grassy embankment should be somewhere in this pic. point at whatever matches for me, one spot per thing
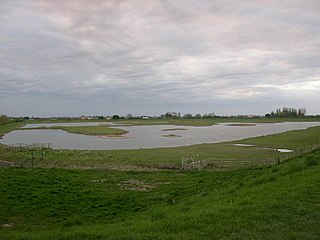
(278, 202)
(8, 127)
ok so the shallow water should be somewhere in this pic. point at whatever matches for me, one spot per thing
(146, 136)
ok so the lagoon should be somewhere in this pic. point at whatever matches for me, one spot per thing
(148, 136)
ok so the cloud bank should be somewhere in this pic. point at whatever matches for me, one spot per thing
(149, 57)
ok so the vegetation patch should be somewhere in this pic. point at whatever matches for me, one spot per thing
(99, 130)
(241, 125)
(174, 129)
(171, 135)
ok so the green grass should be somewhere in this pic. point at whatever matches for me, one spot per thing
(8, 127)
(101, 130)
(189, 122)
(278, 202)
(211, 121)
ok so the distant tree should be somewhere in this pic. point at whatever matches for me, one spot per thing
(198, 115)
(128, 116)
(302, 112)
(171, 115)
(288, 112)
(188, 115)
(267, 115)
(168, 115)
(208, 115)
(4, 120)
(115, 117)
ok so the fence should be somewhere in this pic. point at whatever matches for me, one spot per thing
(29, 146)
(37, 152)
(189, 162)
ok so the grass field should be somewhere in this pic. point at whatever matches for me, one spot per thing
(278, 202)
(189, 122)
(78, 196)
(100, 130)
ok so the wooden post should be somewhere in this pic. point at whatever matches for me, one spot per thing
(32, 157)
(42, 153)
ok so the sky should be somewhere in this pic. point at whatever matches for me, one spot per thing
(149, 57)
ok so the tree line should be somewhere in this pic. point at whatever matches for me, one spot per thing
(288, 112)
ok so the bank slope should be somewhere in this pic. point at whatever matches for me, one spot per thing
(279, 202)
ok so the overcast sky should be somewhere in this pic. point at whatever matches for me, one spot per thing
(100, 57)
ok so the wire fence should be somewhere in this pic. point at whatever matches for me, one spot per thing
(189, 162)
(38, 151)
(21, 146)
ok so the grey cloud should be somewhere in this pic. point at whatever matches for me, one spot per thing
(201, 54)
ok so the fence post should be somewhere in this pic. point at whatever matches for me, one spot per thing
(42, 153)
(32, 157)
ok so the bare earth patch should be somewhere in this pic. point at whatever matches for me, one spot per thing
(8, 164)
(135, 185)
(7, 225)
